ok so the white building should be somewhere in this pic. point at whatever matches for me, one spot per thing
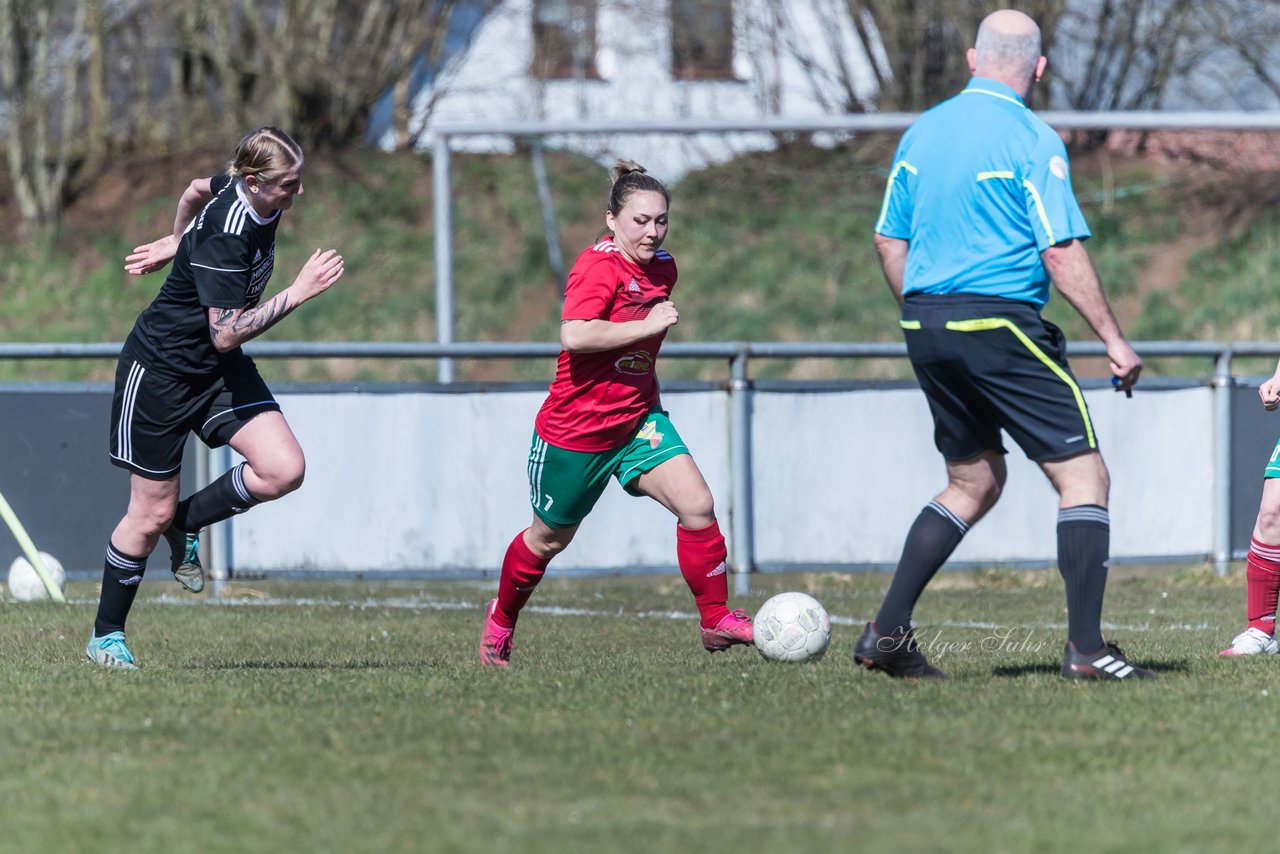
(638, 60)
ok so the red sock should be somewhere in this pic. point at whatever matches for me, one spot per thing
(521, 572)
(1262, 586)
(701, 555)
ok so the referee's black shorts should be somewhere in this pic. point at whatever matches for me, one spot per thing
(988, 364)
(152, 412)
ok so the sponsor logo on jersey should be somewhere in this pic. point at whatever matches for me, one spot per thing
(634, 287)
(262, 268)
(1058, 167)
(638, 363)
(1071, 440)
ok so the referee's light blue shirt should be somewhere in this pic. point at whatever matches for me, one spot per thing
(980, 186)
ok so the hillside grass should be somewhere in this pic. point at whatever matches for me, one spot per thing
(771, 247)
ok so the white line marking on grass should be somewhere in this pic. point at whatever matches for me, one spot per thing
(419, 603)
(1144, 627)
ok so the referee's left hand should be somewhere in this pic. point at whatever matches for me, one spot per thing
(1126, 365)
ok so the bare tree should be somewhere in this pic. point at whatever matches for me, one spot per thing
(82, 80)
(39, 72)
(923, 44)
(1237, 54)
(915, 49)
(1122, 55)
(830, 63)
(313, 66)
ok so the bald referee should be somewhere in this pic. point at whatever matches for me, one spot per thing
(978, 219)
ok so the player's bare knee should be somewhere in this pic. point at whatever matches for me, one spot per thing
(1267, 528)
(151, 520)
(551, 544)
(282, 483)
(1101, 484)
(989, 494)
(973, 497)
(280, 477)
(551, 548)
(984, 496)
(696, 522)
(697, 512)
(293, 477)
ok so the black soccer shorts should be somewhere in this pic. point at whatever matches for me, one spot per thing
(988, 364)
(152, 413)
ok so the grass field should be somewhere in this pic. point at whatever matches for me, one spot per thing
(330, 716)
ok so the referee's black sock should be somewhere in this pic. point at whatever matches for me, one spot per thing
(222, 499)
(121, 575)
(932, 538)
(1084, 544)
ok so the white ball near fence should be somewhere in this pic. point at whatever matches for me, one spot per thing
(25, 584)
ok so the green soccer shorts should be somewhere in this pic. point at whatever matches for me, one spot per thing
(1273, 464)
(565, 485)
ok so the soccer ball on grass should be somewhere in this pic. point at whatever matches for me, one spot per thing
(792, 627)
(24, 582)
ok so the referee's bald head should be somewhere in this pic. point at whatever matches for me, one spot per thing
(1008, 45)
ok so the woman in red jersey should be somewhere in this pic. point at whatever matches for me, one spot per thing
(603, 418)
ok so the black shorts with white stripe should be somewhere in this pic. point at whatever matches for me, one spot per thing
(152, 412)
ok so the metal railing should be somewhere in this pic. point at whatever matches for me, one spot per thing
(740, 387)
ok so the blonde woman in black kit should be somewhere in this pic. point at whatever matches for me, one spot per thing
(182, 371)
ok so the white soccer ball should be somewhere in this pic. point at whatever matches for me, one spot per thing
(792, 627)
(24, 582)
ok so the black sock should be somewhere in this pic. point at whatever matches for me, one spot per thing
(1084, 544)
(932, 538)
(121, 575)
(222, 499)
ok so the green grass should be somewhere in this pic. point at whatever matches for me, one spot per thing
(352, 717)
(1244, 264)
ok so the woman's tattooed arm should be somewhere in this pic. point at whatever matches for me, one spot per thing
(231, 327)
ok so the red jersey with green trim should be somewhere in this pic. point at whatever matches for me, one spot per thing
(597, 400)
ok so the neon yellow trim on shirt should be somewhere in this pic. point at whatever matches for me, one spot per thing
(909, 324)
(1035, 197)
(985, 324)
(1044, 218)
(888, 190)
